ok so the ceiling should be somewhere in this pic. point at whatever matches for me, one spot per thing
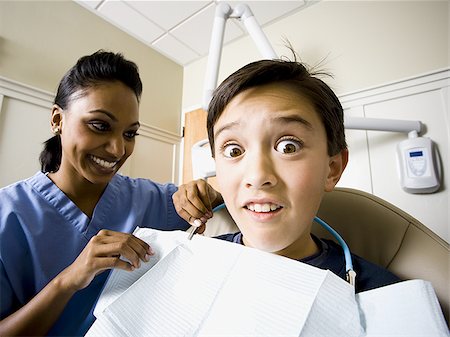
(181, 30)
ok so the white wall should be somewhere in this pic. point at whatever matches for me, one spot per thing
(365, 44)
(25, 125)
(39, 42)
(373, 158)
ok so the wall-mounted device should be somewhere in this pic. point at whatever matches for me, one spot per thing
(418, 164)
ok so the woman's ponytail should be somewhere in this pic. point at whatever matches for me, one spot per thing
(50, 157)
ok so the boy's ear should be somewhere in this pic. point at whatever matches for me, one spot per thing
(337, 165)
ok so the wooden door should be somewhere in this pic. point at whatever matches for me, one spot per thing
(194, 131)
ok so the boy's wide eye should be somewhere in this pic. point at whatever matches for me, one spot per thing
(288, 146)
(232, 151)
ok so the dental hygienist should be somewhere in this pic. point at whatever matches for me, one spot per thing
(62, 229)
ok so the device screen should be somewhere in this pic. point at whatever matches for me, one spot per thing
(416, 154)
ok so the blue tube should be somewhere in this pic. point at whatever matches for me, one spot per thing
(347, 255)
(340, 240)
(218, 208)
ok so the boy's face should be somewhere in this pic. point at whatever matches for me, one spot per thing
(273, 168)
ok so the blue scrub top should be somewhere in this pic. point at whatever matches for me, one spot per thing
(42, 232)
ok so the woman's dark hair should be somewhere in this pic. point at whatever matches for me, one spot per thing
(89, 71)
(299, 79)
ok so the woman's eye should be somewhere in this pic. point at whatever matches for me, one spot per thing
(100, 126)
(288, 146)
(232, 151)
(131, 134)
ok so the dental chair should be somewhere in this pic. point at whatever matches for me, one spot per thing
(373, 229)
(385, 235)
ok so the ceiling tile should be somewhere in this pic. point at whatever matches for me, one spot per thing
(130, 20)
(268, 11)
(196, 31)
(175, 50)
(233, 31)
(181, 29)
(168, 14)
(89, 3)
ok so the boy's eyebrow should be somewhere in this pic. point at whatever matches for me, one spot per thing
(294, 118)
(225, 127)
(283, 119)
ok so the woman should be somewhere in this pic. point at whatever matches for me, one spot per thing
(62, 228)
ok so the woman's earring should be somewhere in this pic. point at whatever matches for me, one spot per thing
(56, 130)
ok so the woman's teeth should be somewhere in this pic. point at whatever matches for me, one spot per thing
(103, 163)
(262, 208)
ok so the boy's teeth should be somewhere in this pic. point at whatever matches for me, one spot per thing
(262, 208)
(103, 163)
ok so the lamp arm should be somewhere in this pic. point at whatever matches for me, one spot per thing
(380, 124)
(244, 12)
(221, 16)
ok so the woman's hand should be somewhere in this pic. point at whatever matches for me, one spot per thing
(195, 201)
(106, 250)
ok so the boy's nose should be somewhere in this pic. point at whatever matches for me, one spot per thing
(260, 172)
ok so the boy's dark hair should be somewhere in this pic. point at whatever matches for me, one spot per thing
(298, 78)
(89, 71)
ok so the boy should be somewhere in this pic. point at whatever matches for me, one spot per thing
(277, 136)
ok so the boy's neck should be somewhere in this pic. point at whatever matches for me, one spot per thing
(298, 250)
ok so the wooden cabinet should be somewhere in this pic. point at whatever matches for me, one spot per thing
(194, 131)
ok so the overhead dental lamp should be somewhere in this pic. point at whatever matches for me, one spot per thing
(417, 157)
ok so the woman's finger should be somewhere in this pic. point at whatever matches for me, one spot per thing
(139, 246)
(192, 200)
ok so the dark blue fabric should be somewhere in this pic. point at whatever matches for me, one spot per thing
(331, 257)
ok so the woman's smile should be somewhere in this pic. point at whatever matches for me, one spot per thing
(104, 165)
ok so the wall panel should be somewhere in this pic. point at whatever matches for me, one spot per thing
(422, 98)
(25, 125)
